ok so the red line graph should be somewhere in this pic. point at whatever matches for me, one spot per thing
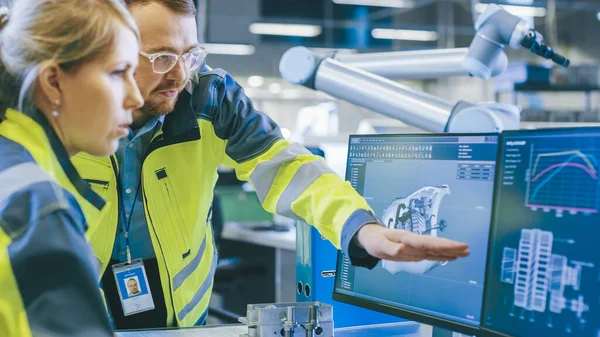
(583, 167)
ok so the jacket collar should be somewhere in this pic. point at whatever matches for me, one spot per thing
(183, 118)
(37, 135)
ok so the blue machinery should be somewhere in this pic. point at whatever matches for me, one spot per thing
(315, 274)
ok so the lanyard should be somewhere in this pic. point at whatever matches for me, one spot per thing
(127, 222)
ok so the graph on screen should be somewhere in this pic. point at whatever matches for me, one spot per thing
(563, 181)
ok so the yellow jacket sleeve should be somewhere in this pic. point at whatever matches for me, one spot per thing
(288, 179)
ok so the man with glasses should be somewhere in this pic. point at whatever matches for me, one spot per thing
(159, 185)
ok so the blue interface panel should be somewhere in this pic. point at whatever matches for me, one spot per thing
(543, 276)
(439, 185)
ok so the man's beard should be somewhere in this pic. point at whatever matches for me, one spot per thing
(164, 107)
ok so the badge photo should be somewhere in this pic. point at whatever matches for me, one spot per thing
(133, 288)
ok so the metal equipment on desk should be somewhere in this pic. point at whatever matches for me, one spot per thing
(289, 320)
(312, 319)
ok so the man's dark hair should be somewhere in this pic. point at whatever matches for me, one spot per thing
(183, 7)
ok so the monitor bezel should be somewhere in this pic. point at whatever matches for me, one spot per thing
(486, 331)
(404, 313)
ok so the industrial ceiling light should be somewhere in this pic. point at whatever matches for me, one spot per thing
(520, 2)
(378, 3)
(527, 11)
(338, 50)
(285, 29)
(275, 88)
(256, 81)
(404, 34)
(229, 49)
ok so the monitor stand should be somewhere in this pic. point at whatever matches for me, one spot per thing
(439, 332)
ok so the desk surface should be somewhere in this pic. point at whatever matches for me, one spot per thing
(238, 232)
(218, 331)
(412, 330)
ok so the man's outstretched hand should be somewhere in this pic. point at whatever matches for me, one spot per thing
(400, 245)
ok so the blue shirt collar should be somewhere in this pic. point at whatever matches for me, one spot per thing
(155, 123)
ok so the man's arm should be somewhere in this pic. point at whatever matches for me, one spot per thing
(292, 182)
(55, 271)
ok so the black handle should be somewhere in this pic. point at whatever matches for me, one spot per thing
(561, 60)
(531, 42)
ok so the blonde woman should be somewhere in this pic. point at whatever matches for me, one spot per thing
(66, 86)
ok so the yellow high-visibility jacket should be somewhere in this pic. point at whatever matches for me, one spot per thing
(48, 273)
(215, 123)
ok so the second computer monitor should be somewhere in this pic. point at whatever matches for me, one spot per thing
(438, 185)
(543, 276)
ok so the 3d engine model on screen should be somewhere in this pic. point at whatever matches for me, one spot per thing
(417, 213)
(541, 277)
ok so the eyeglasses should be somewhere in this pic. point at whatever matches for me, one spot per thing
(163, 62)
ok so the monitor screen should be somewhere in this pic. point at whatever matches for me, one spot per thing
(543, 277)
(439, 185)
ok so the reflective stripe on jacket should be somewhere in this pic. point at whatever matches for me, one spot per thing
(217, 124)
(48, 273)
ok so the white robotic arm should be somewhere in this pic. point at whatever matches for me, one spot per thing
(416, 65)
(361, 79)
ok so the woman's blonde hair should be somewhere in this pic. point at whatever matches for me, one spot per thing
(69, 32)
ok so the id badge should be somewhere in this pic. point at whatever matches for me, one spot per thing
(133, 288)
